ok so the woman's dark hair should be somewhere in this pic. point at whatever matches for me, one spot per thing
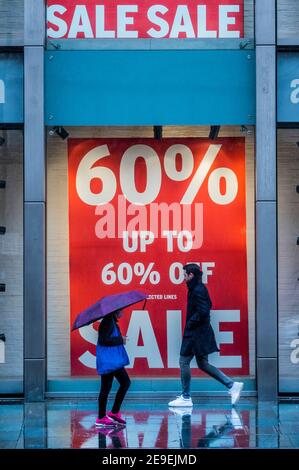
(194, 269)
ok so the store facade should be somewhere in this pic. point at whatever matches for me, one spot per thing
(160, 133)
(113, 142)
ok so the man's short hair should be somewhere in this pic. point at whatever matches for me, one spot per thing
(194, 269)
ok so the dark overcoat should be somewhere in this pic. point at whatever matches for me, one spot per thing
(198, 337)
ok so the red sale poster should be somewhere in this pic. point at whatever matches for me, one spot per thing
(139, 209)
(135, 19)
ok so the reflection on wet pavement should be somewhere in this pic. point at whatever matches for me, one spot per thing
(70, 424)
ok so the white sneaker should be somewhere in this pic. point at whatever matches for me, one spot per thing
(182, 411)
(236, 419)
(235, 392)
(181, 401)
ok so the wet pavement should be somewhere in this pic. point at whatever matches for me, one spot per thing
(211, 423)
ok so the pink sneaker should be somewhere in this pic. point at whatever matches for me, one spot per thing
(105, 431)
(117, 417)
(105, 422)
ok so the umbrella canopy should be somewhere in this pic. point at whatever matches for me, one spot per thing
(107, 305)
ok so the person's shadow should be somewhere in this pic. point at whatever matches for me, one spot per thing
(218, 432)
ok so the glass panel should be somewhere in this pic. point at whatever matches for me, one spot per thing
(288, 258)
(11, 261)
(90, 256)
(249, 6)
(11, 21)
(11, 88)
(287, 20)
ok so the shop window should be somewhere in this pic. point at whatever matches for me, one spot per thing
(288, 259)
(187, 193)
(11, 261)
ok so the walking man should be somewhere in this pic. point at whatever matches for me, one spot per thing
(199, 339)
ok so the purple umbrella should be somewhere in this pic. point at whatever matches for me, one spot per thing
(107, 305)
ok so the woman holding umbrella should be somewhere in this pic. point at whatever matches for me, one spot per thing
(111, 354)
(111, 359)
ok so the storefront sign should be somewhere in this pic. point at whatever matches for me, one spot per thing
(139, 209)
(11, 88)
(115, 88)
(133, 19)
(288, 87)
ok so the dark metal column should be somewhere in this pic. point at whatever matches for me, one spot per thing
(266, 200)
(34, 203)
